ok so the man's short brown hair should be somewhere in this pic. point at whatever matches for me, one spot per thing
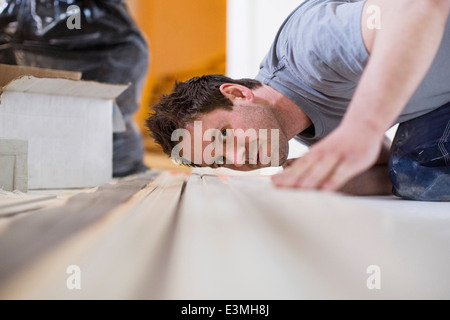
(187, 102)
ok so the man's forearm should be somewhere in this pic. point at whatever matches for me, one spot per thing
(402, 52)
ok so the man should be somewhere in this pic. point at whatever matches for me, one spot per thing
(107, 46)
(338, 75)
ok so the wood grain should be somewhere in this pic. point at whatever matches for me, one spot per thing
(27, 238)
(176, 236)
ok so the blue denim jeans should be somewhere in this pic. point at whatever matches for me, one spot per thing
(419, 165)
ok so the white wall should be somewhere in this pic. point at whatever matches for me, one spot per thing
(251, 28)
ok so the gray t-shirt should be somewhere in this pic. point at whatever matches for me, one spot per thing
(318, 57)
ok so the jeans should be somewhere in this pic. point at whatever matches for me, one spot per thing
(419, 165)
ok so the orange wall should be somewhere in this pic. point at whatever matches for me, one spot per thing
(186, 38)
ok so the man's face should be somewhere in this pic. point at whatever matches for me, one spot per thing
(245, 138)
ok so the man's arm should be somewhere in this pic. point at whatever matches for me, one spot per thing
(402, 52)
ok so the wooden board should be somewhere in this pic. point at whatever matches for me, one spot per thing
(10, 205)
(168, 235)
(116, 238)
(258, 242)
(28, 238)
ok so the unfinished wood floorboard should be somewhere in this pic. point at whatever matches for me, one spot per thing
(173, 236)
(259, 242)
(10, 204)
(29, 237)
(120, 256)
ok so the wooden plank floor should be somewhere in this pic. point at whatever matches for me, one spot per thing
(175, 235)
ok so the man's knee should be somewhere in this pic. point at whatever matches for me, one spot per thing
(413, 181)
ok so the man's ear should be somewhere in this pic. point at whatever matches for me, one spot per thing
(236, 92)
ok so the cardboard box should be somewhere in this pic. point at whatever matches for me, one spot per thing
(13, 165)
(67, 122)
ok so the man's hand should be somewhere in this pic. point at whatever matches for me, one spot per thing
(332, 162)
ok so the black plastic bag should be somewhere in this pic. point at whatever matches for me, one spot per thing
(108, 47)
